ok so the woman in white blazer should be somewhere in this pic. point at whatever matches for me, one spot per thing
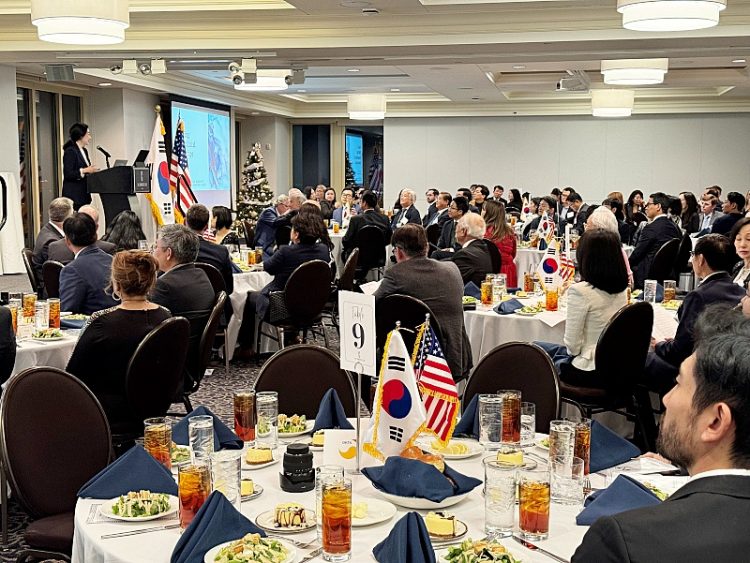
(592, 302)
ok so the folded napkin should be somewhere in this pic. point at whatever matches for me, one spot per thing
(236, 269)
(408, 542)
(216, 522)
(471, 289)
(469, 423)
(623, 494)
(508, 307)
(133, 471)
(609, 449)
(413, 478)
(331, 413)
(72, 323)
(224, 438)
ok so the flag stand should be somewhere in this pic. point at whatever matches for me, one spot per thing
(357, 470)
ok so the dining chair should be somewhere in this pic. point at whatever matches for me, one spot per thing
(495, 258)
(662, 265)
(219, 285)
(51, 275)
(371, 243)
(54, 436)
(247, 226)
(407, 310)
(523, 366)
(433, 233)
(344, 283)
(301, 390)
(28, 263)
(682, 259)
(283, 235)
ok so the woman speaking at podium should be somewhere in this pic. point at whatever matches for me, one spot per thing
(77, 165)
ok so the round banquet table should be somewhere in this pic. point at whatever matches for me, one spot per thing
(336, 239)
(527, 259)
(156, 547)
(244, 282)
(33, 353)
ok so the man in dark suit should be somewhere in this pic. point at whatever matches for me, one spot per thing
(566, 214)
(60, 209)
(437, 284)
(659, 230)
(480, 193)
(447, 242)
(265, 231)
(712, 258)
(734, 210)
(210, 253)
(7, 344)
(60, 252)
(369, 216)
(579, 213)
(408, 213)
(83, 281)
(441, 215)
(705, 431)
(473, 258)
(295, 201)
(431, 197)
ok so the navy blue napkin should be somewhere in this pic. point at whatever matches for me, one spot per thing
(236, 269)
(413, 478)
(408, 542)
(216, 522)
(331, 413)
(72, 323)
(623, 494)
(468, 425)
(609, 449)
(133, 471)
(471, 289)
(508, 307)
(224, 438)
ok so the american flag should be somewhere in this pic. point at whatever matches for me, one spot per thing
(179, 176)
(567, 267)
(436, 384)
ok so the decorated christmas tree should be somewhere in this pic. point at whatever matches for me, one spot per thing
(348, 172)
(255, 193)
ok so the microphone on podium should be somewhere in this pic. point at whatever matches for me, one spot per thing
(104, 152)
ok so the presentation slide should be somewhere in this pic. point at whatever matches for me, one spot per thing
(354, 150)
(207, 141)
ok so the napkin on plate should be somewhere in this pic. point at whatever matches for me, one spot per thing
(216, 522)
(471, 289)
(408, 542)
(331, 413)
(469, 423)
(609, 449)
(508, 307)
(72, 323)
(623, 494)
(413, 478)
(133, 471)
(223, 436)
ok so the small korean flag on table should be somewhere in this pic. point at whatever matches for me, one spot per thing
(549, 267)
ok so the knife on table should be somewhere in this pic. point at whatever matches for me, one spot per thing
(311, 555)
(140, 531)
(533, 547)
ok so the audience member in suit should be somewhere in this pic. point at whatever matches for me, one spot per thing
(265, 231)
(431, 197)
(468, 193)
(579, 213)
(480, 193)
(441, 215)
(659, 230)
(369, 216)
(733, 209)
(60, 252)
(497, 194)
(343, 214)
(690, 216)
(592, 302)
(7, 344)
(210, 253)
(296, 199)
(100, 358)
(712, 259)
(740, 237)
(84, 280)
(60, 209)
(565, 213)
(447, 242)
(408, 213)
(77, 165)
(705, 431)
(414, 274)
(546, 207)
(473, 258)
(709, 213)
(501, 234)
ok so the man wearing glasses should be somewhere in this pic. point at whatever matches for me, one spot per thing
(447, 243)
(265, 231)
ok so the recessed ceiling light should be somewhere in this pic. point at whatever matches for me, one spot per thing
(739, 61)
(105, 84)
(353, 70)
(519, 67)
(254, 113)
(302, 91)
(395, 89)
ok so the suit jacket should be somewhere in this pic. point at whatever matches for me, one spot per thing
(183, 289)
(716, 288)
(448, 236)
(47, 235)
(724, 224)
(217, 255)
(566, 215)
(265, 231)
(653, 236)
(74, 185)
(704, 520)
(7, 344)
(703, 224)
(411, 214)
(60, 252)
(82, 282)
(473, 262)
(369, 217)
(579, 223)
(417, 277)
(431, 212)
(441, 217)
(338, 214)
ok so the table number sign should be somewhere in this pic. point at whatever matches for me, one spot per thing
(340, 448)
(357, 315)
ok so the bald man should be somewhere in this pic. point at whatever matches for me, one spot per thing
(60, 252)
(473, 259)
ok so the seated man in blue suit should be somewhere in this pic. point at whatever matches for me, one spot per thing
(342, 215)
(265, 230)
(83, 281)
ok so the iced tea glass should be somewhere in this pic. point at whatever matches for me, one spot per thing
(258, 254)
(322, 474)
(582, 447)
(54, 312)
(157, 440)
(244, 415)
(336, 506)
(336, 228)
(14, 316)
(29, 305)
(528, 282)
(194, 487)
(551, 296)
(670, 290)
(511, 416)
(533, 505)
(486, 292)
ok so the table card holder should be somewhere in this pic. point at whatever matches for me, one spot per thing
(341, 447)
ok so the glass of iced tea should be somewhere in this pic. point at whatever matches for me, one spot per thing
(582, 448)
(244, 415)
(157, 439)
(54, 312)
(528, 282)
(511, 416)
(14, 316)
(533, 505)
(29, 305)
(336, 228)
(670, 290)
(194, 487)
(336, 506)
(551, 296)
(486, 292)
(258, 254)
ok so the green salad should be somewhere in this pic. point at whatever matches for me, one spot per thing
(48, 333)
(479, 551)
(294, 423)
(179, 454)
(253, 549)
(141, 504)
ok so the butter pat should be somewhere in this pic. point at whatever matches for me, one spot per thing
(247, 487)
(510, 456)
(359, 510)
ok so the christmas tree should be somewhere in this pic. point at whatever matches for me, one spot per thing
(348, 172)
(255, 193)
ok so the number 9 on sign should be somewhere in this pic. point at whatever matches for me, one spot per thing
(357, 320)
(359, 335)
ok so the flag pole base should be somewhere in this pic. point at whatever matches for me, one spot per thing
(357, 470)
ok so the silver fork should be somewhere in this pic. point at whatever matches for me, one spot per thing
(295, 543)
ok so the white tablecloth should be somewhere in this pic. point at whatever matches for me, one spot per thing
(244, 282)
(31, 353)
(337, 247)
(527, 259)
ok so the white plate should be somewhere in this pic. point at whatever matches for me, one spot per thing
(377, 511)
(265, 521)
(55, 339)
(461, 530)
(308, 427)
(539, 444)
(65, 313)
(214, 551)
(276, 459)
(422, 503)
(441, 553)
(475, 448)
(106, 510)
(519, 312)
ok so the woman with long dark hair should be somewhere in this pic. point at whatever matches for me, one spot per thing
(77, 165)
(221, 223)
(633, 205)
(502, 236)
(515, 202)
(125, 231)
(689, 215)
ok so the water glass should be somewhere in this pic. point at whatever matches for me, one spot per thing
(266, 427)
(193, 488)
(499, 498)
(225, 474)
(41, 315)
(201, 436)
(336, 507)
(322, 474)
(490, 420)
(157, 439)
(528, 423)
(499, 288)
(567, 480)
(534, 504)
(582, 448)
(143, 245)
(511, 416)
(244, 415)
(561, 438)
(649, 291)
(670, 290)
